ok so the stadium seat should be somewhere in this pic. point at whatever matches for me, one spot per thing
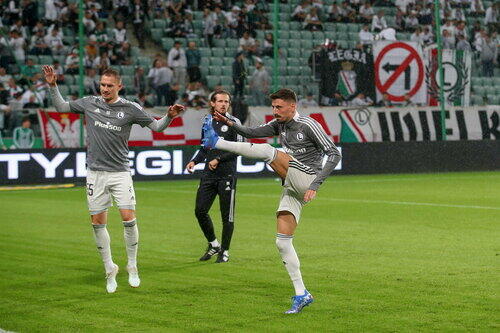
(70, 79)
(212, 81)
(160, 24)
(318, 36)
(167, 43)
(304, 34)
(232, 44)
(205, 52)
(215, 70)
(284, 35)
(127, 70)
(45, 60)
(218, 42)
(156, 34)
(306, 44)
(214, 61)
(218, 52)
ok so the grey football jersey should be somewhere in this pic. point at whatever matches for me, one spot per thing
(304, 139)
(108, 130)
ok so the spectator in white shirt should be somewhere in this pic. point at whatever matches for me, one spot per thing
(51, 11)
(365, 36)
(366, 13)
(476, 8)
(300, 12)
(119, 33)
(490, 18)
(312, 21)
(55, 42)
(309, 101)
(18, 45)
(417, 36)
(378, 22)
(411, 21)
(361, 100)
(247, 45)
(178, 62)
(427, 36)
(448, 40)
(88, 23)
(161, 78)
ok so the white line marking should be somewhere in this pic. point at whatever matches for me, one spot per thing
(387, 202)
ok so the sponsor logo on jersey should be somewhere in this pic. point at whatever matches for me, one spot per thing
(291, 151)
(97, 110)
(224, 128)
(108, 125)
(120, 115)
(300, 136)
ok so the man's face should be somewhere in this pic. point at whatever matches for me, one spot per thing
(221, 103)
(283, 111)
(110, 86)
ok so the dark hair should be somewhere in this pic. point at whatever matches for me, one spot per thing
(284, 94)
(112, 72)
(213, 97)
(26, 118)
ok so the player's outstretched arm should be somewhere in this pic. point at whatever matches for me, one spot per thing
(172, 112)
(262, 131)
(50, 76)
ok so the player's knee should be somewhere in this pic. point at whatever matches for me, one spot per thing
(200, 213)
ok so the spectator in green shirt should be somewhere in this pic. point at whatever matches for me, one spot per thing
(23, 135)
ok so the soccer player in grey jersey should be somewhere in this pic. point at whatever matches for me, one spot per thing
(109, 119)
(300, 167)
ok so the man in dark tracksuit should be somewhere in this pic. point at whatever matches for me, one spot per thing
(219, 178)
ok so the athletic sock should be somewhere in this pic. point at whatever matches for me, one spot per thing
(215, 243)
(103, 241)
(291, 261)
(261, 151)
(131, 235)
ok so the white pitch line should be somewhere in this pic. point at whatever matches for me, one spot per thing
(387, 202)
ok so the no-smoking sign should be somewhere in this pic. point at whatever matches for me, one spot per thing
(399, 71)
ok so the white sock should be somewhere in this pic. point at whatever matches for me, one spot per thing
(291, 261)
(103, 241)
(215, 243)
(260, 151)
(131, 235)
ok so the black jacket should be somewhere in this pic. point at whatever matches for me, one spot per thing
(227, 161)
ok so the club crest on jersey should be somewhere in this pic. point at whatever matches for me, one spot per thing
(300, 136)
(120, 115)
(224, 128)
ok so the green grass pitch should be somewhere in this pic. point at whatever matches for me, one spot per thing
(380, 253)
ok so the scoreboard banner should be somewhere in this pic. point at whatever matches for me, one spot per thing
(398, 124)
(400, 71)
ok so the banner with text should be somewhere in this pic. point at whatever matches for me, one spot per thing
(399, 124)
(346, 72)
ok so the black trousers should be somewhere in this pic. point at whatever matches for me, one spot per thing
(225, 188)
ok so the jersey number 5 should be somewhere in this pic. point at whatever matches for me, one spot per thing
(90, 189)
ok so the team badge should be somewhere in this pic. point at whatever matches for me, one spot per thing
(300, 136)
(224, 128)
(120, 115)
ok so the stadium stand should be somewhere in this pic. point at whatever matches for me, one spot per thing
(46, 32)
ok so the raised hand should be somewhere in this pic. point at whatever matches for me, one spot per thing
(223, 119)
(50, 75)
(175, 110)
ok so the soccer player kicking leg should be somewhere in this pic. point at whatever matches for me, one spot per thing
(297, 178)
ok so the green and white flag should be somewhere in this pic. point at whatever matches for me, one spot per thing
(457, 77)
